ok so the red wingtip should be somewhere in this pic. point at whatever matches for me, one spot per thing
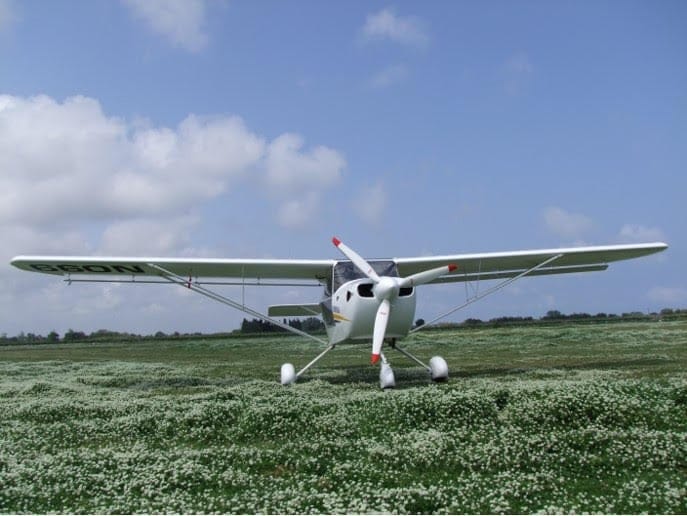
(452, 267)
(374, 359)
(336, 241)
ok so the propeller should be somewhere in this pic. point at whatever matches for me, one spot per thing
(386, 289)
(357, 260)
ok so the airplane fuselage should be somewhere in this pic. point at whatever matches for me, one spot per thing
(353, 314)
(349, 312)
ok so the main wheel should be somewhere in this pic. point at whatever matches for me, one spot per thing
(438, 369)
(288, 374)
(387, 380)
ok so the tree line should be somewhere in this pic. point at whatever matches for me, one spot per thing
(315, 325)
(309, 325)
(555, 316)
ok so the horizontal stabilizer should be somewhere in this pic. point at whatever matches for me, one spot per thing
(294, 310)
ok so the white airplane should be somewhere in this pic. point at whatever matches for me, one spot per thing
(363, 299)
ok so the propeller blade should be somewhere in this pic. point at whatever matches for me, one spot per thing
(381, 320)
(423, 277)
(357, 260)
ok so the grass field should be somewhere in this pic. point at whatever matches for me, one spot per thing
(567, 418)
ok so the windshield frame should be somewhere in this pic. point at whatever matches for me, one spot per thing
(345, 271)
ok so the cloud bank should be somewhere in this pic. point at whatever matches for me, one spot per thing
(68, 164)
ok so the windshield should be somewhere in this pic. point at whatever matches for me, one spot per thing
(346, 271)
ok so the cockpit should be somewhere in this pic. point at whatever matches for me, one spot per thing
(345, 271)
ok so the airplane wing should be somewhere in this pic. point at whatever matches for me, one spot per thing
(471, 267)
(318, 270)
(487, 266)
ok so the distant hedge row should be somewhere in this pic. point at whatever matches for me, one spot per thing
(256, 327)
(556, 317)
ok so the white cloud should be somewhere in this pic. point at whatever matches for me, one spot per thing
(74, 180)
(390, 75)
(387, 25)
(67, 164)
(565, 224)
(297, 178)
(148, 237)
(180, 21)
(668, 295)
(298, 212)
(370, 204)
(290, 169)
(633, 233)
(105, 298)
(26, 239)
(64, 161)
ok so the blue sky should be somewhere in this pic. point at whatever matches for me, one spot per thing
(261, 129)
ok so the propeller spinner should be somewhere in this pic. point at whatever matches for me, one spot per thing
(386, 289)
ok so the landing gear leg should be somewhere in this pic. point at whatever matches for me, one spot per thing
(288, 371)
(437, 368)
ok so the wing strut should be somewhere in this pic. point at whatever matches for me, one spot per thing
(175, 278)
(493, 289)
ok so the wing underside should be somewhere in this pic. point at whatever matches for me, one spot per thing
(318, 270)
(470, 267)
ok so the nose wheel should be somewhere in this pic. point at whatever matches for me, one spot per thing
(387, 380)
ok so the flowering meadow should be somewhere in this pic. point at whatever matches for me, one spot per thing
(567, 419)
